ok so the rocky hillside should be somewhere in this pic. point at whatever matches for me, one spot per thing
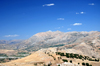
(50, 39)
(53, 57)
(87, 42)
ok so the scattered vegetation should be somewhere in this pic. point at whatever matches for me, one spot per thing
(3, 55)
(77, 56)
(87, 64)
(52, 56)
(57, 45)
(64, 60)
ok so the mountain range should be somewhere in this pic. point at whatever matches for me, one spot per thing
(87, 43)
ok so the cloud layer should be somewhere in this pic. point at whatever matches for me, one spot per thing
(49, 4)
(77, 24)
(11, 35)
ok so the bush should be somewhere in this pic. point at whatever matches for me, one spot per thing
(71, 55)
(65, 60)
(87, 64)
(58, 65)
(93, 57)
(70, 61)
(58, 53)
(83, 63)
(97, 60)
(90, 65)
(35, 64)
(67, 55)
(78, 63)
(76, 56)
(62, 54)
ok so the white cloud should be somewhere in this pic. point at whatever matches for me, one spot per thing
(11, 35)
(77, 13)
(91, 4)
(82, 12)
(49, 4)
(77, 24)
(50, 31)
(60, 19)
(69, 29)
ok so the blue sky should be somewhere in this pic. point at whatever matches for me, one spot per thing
(20, 19)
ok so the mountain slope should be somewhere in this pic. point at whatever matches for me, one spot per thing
(57, 39)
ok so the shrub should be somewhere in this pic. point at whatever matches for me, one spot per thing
(83, 63)
(67, 55)
(78, 63)
(58, 53)
(93, 57)
(97, 60)
(35, 64)
(90, 65)
(54, 59)
(61, 54)
(65, 60)
(87, 64)
(76, 56)
(70, 61)
(58, 65)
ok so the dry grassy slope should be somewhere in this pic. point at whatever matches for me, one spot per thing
(40, 56)
(8, 52)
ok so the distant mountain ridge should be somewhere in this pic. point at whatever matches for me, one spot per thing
(10, 41)
(45, 39)
(70, 40)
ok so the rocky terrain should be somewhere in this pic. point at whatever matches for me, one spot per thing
(87, 43)
(48, 56)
